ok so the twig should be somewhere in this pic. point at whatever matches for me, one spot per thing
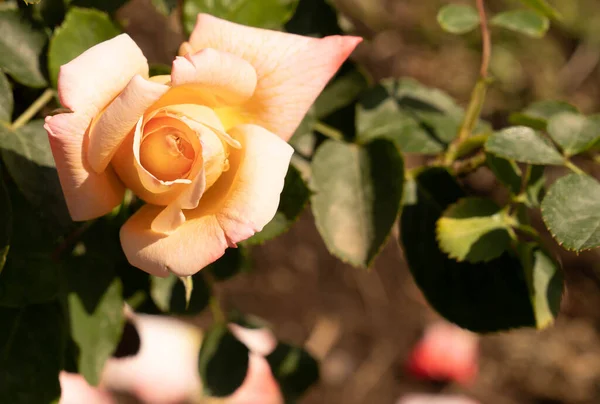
(33, 109)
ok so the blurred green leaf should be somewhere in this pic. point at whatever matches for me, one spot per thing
(571, 211)
(314, 18)
(33, 344)
(522, 21)
(21, 46)
(507, 172)
(357, 196)
(223, 362)
(458, 19)
(269, 14)
(5, 226)
(6, 99)
(472, 296)
(165, 7)
(537, 114)
(157, 69)
(339, 93)
(474, 230)
(523, 144)
(169, 294)
(28, 159)
(294, 369)
(50, 12)
(292, 202)
(545, 282)
(82, 29)
(109, 6)
(32, 1)
(234, 261)
(574, 133)
(543, 7)
(535, 187)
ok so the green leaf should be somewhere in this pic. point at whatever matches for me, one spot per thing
(314, 18)
(48, 12)
(6, 99)
(21, 46)
(5, 225)
(269, 14)
(234, 261)
(32, 341)
(109, 6)
(522, 21)
(165, 7)
(574, 133)
(474, 230)
(223, 362)
(571, 211)
(474, 296)
(537, 114)
(82, 29)
(357, 196)
(545, 282)
(458, 19)
(291, 204)
(30, 274)
(157, 69)
(543, 7)
(507, 172)
(95, 298)
(294, 369)
(29, 161)
(523, 144)
(32, 1)
(340, 93)
(169, 294)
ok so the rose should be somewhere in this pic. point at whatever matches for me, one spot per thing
(205, 147)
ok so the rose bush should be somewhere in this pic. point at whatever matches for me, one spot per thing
(205, 148)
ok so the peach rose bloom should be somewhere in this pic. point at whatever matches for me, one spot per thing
(205, 148)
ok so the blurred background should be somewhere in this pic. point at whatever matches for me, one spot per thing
(364, 326)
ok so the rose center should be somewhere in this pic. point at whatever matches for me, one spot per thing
(167, 154)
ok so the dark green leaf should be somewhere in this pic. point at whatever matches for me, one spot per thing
(82, 29)
(6, 99)
(474, 230)
(545, 282)
(571, 211)
(291, 204)
(28, 159)
(223, 362)
(234, 261)
(537, 114)
(270, 14)
(314, 18)
(543, 7)
(169, 294)
(21, 46)
(294, 369)
(458, 19)
(341, 92)
(32, 341)
(523, 21)
(109, 6)
(523, 144)
(507, 172)
(157, 69)
(48, 12)
(472, 296)
(574, 133)
(165, 7)
(5, 226)
(357, 196)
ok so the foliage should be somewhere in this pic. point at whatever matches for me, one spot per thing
(479, 262)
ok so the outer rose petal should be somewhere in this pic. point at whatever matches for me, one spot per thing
(90, 81)
(211, 77)
(76, 390)
(88, 195)
(110, 129)
(292, 70)
(240, 203)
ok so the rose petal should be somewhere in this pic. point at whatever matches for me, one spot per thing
(88, 194)
(292, 70)
(91, 80)
(261, 341)
(110, 129)
(239, 204)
